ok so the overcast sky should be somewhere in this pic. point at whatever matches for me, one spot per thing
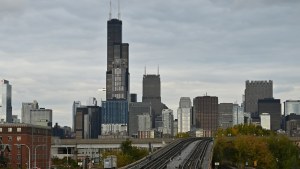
(54, 51)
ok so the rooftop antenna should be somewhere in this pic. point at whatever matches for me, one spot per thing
(119, 12)
(145, 70)
(110, 10)
(158, 70)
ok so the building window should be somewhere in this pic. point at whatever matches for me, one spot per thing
(9, 129)
(0, 129)
(19, 149)
(0, 138)
(19, 157)
(18, 138)
(19, 129)
(9, 138)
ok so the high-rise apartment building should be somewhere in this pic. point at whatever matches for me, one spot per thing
(184, 113)
(206, 114)
(117, 74)
(291, 106)
(152, 95)
(5, 102)
(273, 107)
(254, 91)
(225, 115)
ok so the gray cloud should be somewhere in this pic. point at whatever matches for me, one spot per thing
(55, 51)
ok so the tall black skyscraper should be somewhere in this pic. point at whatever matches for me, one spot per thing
(152, 95)
(117, 74)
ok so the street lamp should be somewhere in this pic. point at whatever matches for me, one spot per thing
(28, 153)
(35, 153)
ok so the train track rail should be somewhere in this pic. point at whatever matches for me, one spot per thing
(195, 159)
(160, 159)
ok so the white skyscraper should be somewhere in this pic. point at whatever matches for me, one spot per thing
(184, 115)
(167, 120)
(5, 102)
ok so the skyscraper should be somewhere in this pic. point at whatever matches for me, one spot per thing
(151, 94)
(117, 74)
(225, 115)
(5, 102)
(167, 120)
(136, 109)
(256, 90)
(184, 115)
(206, 114)
(76, 104)
(273, 107)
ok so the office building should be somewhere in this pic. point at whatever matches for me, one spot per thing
(42, 117)
(152, 95)
(265, 121)
(273, 107)
(184, 113)
(92, 101)
(292, 125)
(5, 102)
(24, 141)
(32, 114)
(76, 104)
(25, 112)
(291, 106)
(206, 114)
(144, 122)
(88, 122)
(136, 109)
(117, 74)
(175, 127)
(238, 114)
(167, 120)
(254, 91)
(114, 117)
(225, 115)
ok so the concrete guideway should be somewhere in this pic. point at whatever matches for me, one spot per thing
(178, 160)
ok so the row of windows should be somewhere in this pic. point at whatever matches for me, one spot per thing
(10, 129)
(9, 138)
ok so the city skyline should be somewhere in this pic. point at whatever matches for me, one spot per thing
(55, 52)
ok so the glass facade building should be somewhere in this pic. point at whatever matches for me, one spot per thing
(5, 102)
(115, 111)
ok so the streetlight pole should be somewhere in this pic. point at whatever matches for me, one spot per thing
(67, 157)
(35, 153)
(28, 153)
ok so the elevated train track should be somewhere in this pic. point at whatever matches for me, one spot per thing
(161, 158)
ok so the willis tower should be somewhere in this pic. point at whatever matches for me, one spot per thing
(117, 74)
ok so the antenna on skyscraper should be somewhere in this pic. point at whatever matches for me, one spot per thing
(158, 70)
(145, 70)
(110, 10)
(119, 12)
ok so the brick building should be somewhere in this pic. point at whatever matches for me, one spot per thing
(19, 138)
